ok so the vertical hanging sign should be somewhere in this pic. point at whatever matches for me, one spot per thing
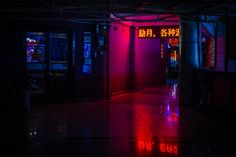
(87, 53)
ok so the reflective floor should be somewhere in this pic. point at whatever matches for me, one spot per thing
(146, 122)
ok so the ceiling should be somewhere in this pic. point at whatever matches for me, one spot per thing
(102, 10)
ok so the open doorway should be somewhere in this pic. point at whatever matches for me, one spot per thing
(144, 52)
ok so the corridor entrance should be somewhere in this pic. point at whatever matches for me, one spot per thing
(143, 53)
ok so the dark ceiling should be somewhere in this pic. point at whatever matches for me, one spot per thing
(100, 10)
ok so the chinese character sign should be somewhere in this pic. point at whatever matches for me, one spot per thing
(146, 33)
(169, 32)
(161, 32)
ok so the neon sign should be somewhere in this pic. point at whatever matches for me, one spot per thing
(161, 32)
(169, 32)
(146, 33)
(173, 41)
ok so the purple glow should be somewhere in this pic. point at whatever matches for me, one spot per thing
(148, 67)
(147, 61)
(119, 57)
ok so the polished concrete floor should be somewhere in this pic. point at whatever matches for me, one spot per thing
(147, 122)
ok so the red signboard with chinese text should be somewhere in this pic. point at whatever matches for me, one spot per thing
(158, 32)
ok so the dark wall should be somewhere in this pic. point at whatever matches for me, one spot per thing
(231, 50)
(119, 45)
(220, 62)
(147, 62)
(11, 67)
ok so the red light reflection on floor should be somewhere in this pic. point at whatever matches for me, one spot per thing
(154, 125)
(148, 146)
(172, 117)
(168, 148)
(142, 128)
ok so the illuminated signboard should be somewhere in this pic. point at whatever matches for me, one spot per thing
(161, 32)
(147, 33)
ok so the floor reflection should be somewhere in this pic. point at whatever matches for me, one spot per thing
(156, 128)
(147, 122)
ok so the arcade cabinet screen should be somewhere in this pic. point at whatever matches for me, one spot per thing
(35, 49)
(58, 50)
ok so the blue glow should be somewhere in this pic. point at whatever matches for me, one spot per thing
(35, 47)
(58, 46)
(58, 66)
(86, 69)
(87, 53)
(36, 66)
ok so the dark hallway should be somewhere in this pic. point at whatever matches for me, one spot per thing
(117, 78)
(146, 122)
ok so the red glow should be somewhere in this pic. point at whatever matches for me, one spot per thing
(142, 129)
(162, 51)
(168, 148)
(211, 53)
(148, 146)
(172, 118)
(174, 56)
(119, 57)
(173, 41)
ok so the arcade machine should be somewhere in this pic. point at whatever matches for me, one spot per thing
(36, 62)
(172, 58)
(58, 65)
(47, 63)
